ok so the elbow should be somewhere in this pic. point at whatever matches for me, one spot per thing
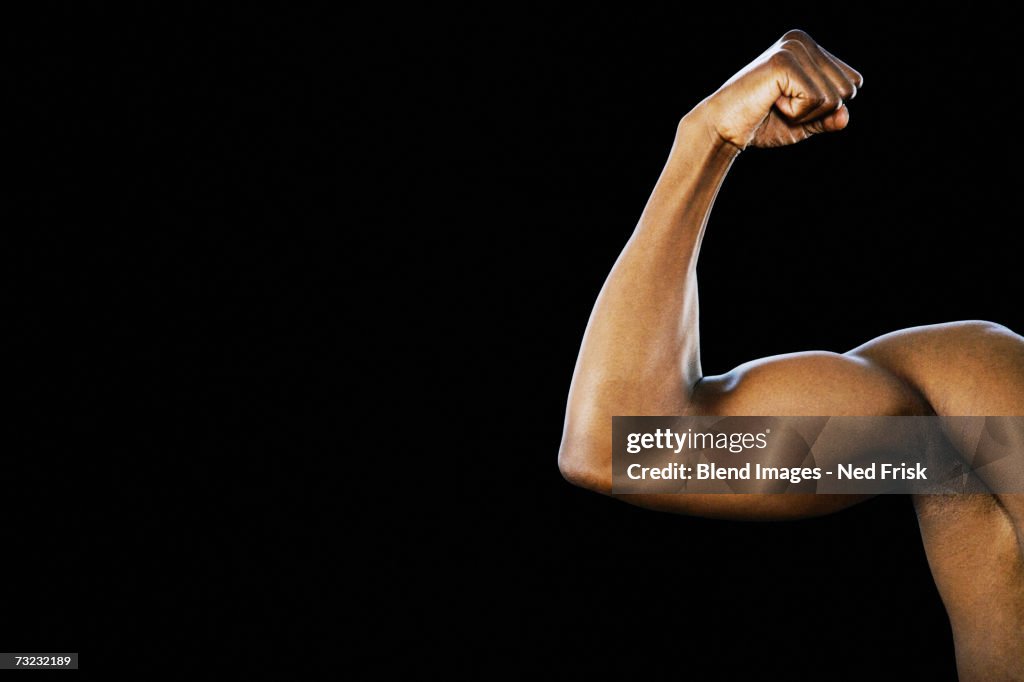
(582, 466)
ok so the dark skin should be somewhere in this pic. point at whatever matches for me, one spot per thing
(641, 356)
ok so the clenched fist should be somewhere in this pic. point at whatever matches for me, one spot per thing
(792, 91)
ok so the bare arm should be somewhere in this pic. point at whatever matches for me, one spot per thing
(641, 352)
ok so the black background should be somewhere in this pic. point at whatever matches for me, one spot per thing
(259, 254)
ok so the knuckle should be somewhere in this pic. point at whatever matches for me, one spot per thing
(796, 34)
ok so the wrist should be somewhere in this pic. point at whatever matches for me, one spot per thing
(699, 146)
(699, 124)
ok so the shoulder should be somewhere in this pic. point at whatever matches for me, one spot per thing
(966, 336)
(971, 367)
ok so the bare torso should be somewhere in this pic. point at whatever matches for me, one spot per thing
(974, 543)
(976, 557)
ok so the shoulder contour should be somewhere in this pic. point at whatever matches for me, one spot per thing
(961, 368)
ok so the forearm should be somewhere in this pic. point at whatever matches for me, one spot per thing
(640, 353)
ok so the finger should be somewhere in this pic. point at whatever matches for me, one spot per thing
(850, 72)
(798, 94)
(834, 122)
(830, 69)
(831, 99)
